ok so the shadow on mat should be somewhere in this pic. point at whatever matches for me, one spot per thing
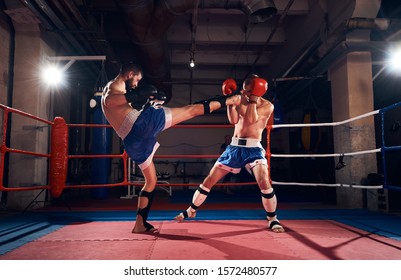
(201, 236)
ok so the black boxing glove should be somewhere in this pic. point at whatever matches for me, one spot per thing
(156, 101)
(141, 93)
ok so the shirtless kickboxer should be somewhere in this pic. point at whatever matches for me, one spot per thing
(250, 118)
(139, 128)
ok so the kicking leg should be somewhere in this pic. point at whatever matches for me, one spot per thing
(181, 114)
(211, 104)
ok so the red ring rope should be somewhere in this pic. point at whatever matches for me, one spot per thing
(59, 155)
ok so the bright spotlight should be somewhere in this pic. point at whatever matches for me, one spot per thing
(52, 75)
(395, 60)
(192, 62)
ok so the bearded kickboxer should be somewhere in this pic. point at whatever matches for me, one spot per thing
(139, 128)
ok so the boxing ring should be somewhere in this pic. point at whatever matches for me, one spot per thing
(59, 157)
(384, 149)
(230, 233)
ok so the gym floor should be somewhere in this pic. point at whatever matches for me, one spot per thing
(227, 227)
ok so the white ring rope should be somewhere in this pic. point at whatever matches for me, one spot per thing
(327, 185)
(327, 124)
(327, 155)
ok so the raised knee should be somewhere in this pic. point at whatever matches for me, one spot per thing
(149, 185)
(264, 184)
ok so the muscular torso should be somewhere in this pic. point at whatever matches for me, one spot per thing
(114, 104)
(246, 129)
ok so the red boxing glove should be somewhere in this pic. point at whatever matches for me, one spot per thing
(229, 86)
(258, 86)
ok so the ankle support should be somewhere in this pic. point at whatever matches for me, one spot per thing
(270, 215)
(206, 103)
(221, 99)
(144, 212)
(199, 197)
(269, 202)
(268, 195)
(206, 106)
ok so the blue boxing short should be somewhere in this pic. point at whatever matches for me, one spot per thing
(140, 143)
(242, 152)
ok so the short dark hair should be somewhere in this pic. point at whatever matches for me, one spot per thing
(130, 66)
(248, 79)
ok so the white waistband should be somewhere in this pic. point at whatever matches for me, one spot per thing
(127, 124)
(245, 142)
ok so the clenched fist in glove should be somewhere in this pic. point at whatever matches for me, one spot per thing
(141, 94)
(257, 87)
(229, 87)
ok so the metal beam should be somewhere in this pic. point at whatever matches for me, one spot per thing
(60, 58)
(73, 59)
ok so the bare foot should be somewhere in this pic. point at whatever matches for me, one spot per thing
(275, 226)
(278, 229)
(144, 229)
(180, 217)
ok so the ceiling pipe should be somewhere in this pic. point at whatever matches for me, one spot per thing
(274, 30)
(96, 36)
(316, 55)
(148, 21)
(337, 46)
(257, 10)
(348, 26)
(59, 25)
(347, 47)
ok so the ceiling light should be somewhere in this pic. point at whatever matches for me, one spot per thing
(395, 60)
(52, 75)
(192, 62)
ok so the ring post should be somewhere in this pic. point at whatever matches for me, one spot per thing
(58, 157)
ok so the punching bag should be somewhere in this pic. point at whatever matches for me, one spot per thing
(101, 144)
(310, 136)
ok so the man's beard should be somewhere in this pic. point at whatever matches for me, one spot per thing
(130, 83)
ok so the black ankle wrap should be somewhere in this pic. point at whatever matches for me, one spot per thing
(144, 212)
(206, 103)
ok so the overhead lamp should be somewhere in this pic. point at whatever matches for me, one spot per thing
(53, 75)
(192, 62)
(395, 60)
